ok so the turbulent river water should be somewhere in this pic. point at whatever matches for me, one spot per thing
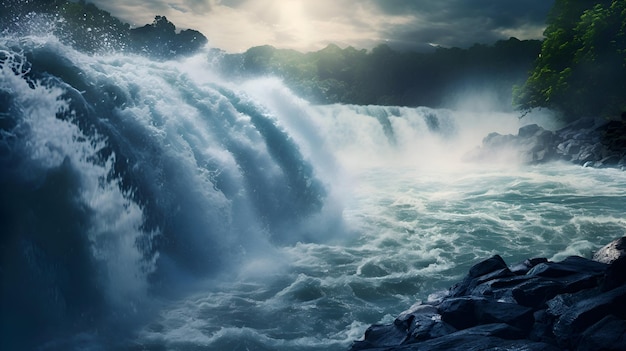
(157, 206)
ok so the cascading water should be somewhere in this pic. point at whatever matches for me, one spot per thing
(151, 205)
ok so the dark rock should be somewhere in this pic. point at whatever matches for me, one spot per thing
(611, 251)
(607, 334)
(489, 269)
(460, 312)
(615, 275)
(404, 319)
(160, 40)
(571, 265)
(563, 302)
(532, 144)
(466, 312)
(523, 267)
(479, 338)
(427, 326)
(535, 292)
(587, 312)
(377, 336)
(426, 330)
(608, 161)
(529, 130)
(542, 328)
(487, 266)
(575, 304)
(586, 142)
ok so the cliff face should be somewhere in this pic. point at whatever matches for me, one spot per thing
(575, 304)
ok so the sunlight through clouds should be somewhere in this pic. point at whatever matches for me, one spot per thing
(305, 25)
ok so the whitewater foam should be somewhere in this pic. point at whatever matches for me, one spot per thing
(225, 216)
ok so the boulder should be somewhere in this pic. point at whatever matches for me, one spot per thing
(535, 292)
(586, 142)
(489, 269)
(611, 251)
(585, 313)
(615, 275)
(466, 312)
(574, 304)
(377, 336)
(607, 334)
(480, 338)
(523, 267)
(532, 144)
(569, 266)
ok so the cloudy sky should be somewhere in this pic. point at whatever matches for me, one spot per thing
(308, 25)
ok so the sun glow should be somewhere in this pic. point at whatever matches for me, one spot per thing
(293, 21)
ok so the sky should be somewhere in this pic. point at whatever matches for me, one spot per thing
(310, 25)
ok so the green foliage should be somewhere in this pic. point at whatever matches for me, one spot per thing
(582, 67)
(386, 77)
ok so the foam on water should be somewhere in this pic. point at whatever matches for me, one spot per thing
(222, 216)
(418, 233)
(47, 142)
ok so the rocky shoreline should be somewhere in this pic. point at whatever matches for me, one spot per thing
(587, 142)
(576, 304)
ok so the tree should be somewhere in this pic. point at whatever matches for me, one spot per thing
(581, 70)
(160, 39)
(90, 29)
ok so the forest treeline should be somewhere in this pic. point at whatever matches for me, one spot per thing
(87, 28)
(383, 76)
(578, 70)
(581, 71)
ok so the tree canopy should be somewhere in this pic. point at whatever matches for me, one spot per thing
(383, 76)
(581, 71)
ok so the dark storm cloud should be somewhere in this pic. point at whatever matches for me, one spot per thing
(305, 25)
(503, 12)
(464, 22)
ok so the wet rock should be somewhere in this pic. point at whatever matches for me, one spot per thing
(611, 251)
(426, 327)
(523, 267)
(574, 304)
(482, 337)
(532, 144)
(489, 265)
(569, 266)
(489, 269)
(529, 130)
(377, 336)
(477, 339)
(607, 334)
(535, 292)
(615, 275)
(466, 312)
(586, 313)
(586, 142)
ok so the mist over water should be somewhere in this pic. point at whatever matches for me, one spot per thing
(155, 205)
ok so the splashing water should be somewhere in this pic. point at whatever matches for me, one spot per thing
(154, 205)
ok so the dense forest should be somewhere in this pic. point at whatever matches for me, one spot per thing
(383, 76)
(581, 71)
(578, 70)
(90, 29)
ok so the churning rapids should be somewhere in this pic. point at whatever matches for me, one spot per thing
(152, 205)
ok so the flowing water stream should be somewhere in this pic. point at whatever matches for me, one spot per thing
(157, 206)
